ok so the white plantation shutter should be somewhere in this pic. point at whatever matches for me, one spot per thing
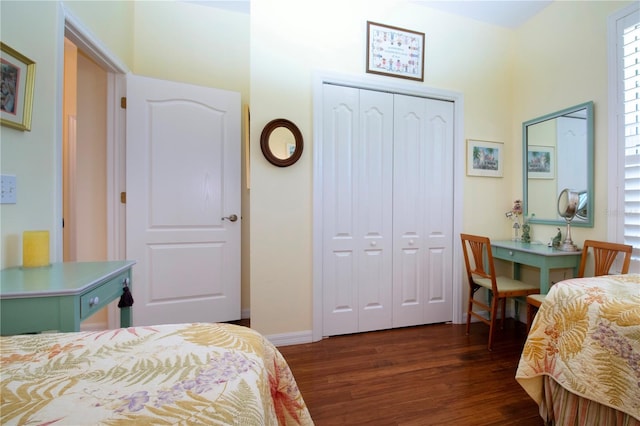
(631, 95)
(623, 209)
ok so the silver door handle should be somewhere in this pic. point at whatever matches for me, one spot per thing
(231, 218)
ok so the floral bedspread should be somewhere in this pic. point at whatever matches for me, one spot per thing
(213, 374)
(586, 336)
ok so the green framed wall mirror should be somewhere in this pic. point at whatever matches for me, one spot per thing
(558, 154)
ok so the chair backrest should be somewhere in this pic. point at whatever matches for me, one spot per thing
(480, 249)
(604, 254)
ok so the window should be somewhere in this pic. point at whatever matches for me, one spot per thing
(624, 133)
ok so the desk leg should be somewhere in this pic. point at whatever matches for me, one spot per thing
(544, 280)
(125, 317)
(516, 271)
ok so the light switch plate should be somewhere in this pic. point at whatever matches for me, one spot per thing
(7, 189)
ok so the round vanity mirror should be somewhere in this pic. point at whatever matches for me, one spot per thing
(568, 205)
(281, 142)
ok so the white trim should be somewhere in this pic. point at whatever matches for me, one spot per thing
(72, 28)
(56, 235)
(116, 147)
(406, 88)
(94, 326)
(286, 339)
(72, 169)
(86, 41)
(116, 183)
(615, 166)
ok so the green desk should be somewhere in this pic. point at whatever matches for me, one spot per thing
(537, 255)
(60, 296)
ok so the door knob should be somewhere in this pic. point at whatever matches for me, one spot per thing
(231, 218)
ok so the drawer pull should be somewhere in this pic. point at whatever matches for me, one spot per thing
(510, 253)
(94, 301)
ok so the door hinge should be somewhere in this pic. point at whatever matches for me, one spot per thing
(123, 197)
(123, 102)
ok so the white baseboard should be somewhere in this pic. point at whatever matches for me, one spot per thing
(287, 339)
(94, 326)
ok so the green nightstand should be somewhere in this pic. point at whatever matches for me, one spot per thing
(537, 255)
(60, 296)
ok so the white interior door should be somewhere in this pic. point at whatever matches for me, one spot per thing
(357, 206)
(183, 180)
(422, 211)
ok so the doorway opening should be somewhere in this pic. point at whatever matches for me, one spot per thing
(91, 155)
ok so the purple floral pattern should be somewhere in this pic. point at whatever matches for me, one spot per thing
(178, 374)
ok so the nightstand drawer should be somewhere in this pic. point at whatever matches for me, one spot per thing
(99, 297)
(511, 255)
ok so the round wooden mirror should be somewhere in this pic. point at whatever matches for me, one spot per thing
(281, 142)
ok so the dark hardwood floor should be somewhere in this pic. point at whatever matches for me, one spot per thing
(426, 375)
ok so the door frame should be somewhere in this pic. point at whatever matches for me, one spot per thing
(413, 89)
(72, 28)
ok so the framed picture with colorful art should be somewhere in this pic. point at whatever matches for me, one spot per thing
(395, 51)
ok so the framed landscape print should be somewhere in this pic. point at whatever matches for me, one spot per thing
(541, 162)
(484, 158)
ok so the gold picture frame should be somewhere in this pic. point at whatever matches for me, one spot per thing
(17, 80)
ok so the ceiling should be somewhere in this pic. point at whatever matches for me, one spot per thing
(505, 13)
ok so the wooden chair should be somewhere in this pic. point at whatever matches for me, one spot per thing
(604, 254)
(481, 274)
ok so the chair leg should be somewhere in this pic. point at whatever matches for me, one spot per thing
(504, 313)
(469, 313)
(531, 312)
(494, 313)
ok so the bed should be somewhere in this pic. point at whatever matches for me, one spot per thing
(213, 374)
(581, 359)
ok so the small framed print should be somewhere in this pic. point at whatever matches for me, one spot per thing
(395, 51)
(541, 162)
(17, 78)
(484, 158)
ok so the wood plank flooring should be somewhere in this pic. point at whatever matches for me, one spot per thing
(426, 375)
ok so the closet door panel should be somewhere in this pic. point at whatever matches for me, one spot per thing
(340, 245)
(423, 210)
(357, 208)
(409, 207)
(374, 165)
(438, 224)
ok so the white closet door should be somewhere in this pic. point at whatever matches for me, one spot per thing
(357, 207)
(423, 211)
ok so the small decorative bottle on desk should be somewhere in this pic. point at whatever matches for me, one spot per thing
(526, 230)
(516, 226)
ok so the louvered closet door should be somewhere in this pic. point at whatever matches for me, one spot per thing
(422, 211)
(357, 160)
